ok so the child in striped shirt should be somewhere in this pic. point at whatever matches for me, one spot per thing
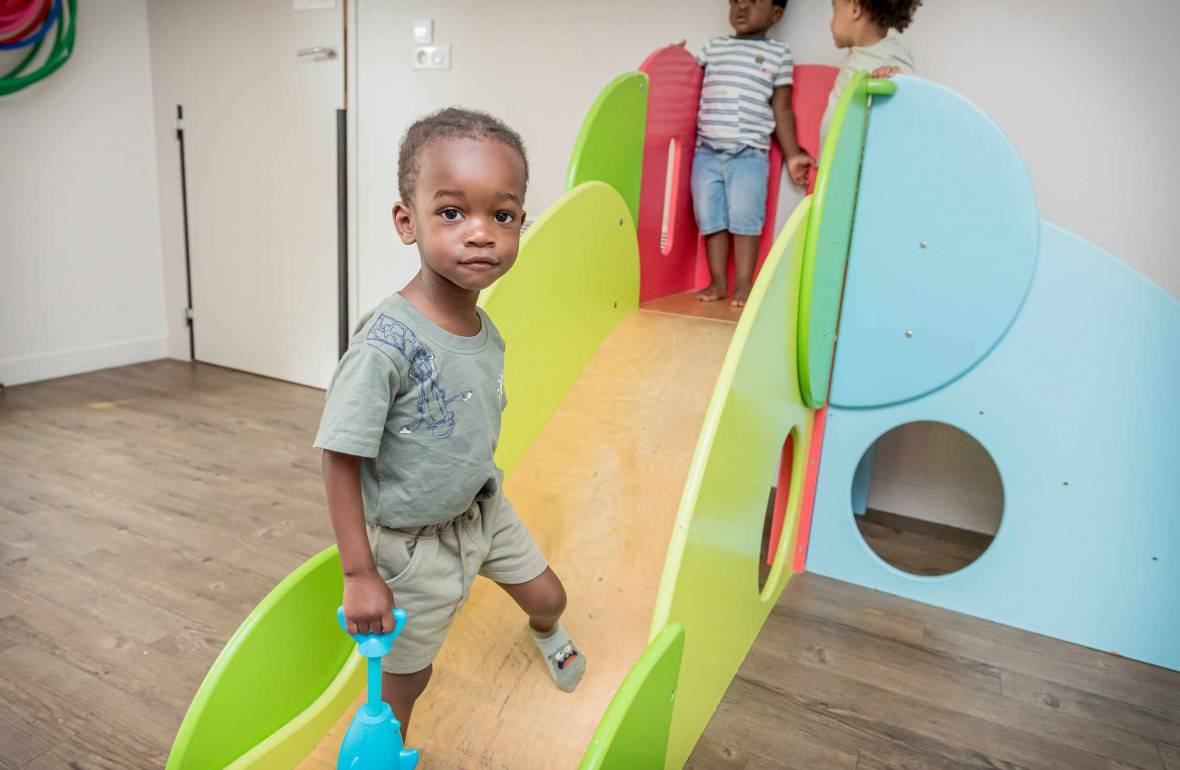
(745, 98)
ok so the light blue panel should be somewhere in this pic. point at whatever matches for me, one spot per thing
(1079, 406)
(938, 171)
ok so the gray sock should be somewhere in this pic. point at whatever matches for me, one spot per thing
(564, 660)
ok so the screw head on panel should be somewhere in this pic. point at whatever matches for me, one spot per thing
(923, 244)
(909, 333)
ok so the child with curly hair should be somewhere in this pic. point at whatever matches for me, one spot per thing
(869, 29)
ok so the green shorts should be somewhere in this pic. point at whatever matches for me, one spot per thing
(430, 571)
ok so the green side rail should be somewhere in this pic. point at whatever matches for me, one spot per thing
(829, 235)
(287, 671)
(709, 585)
(609, 147)
(577, 276)
(634, 731)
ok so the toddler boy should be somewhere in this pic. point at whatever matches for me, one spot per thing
(412, 417)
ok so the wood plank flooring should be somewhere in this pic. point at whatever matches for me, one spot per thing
(921, 547)
(145, 510)
(846, 677)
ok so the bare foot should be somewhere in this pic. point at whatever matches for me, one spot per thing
(711, 294)
(740, 295)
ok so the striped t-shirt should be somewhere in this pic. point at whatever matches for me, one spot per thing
(740, 76)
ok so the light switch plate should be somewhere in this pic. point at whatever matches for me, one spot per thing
(432, 57)
(424, 31)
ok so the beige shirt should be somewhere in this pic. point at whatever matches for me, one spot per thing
(890, 51)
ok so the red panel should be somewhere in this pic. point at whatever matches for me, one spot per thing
(808, 502)
(781, 496)
(675, 88)
(809, 99)
(674, 80)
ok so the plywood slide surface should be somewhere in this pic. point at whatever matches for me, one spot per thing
(599, 491)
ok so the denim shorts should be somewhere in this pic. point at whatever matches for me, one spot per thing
(729, 189)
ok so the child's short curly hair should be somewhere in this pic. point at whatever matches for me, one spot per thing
(891, 14)
(450, 123)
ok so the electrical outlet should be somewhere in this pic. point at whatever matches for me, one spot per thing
(432, 57)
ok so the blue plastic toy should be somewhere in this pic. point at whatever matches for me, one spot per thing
(374, 739)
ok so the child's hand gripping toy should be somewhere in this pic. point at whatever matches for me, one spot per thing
(374, 739)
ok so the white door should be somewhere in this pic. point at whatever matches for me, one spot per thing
(260, 150)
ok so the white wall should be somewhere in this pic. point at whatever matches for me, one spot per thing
(80, 270)
(938, 473)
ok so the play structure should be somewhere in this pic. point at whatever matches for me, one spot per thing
(642, 446)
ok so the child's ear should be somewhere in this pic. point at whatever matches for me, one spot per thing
(857, 10)
(403, 222)
(776, 15)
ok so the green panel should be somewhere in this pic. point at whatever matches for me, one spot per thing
(290, 744)
(710, 580)
(284, 657)
(634, 731)
(576, 276)
(829, 232)
(610, 145)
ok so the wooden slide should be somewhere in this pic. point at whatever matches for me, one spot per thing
(599, 490)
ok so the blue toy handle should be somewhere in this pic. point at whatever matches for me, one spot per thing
(375, 645)
(374, 739)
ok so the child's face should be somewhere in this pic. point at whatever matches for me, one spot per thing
(845, 16)
(467, 211)
(751, 18)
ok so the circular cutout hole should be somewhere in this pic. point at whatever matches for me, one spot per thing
(775, 524)
(927, 498)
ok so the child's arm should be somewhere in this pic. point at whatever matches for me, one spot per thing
(368, 602)
(882, 73)
(798, 161)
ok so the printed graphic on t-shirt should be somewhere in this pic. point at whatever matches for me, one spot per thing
(433, 402)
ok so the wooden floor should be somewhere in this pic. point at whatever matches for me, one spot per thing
(921, 547)
(145, 510)
(847, 678)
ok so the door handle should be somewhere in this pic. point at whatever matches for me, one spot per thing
(318, 50)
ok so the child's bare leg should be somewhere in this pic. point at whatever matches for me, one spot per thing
(717, 251)
(400, 691)
(543, 600)
(745, 257)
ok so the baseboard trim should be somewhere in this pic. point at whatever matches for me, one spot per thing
(63, 363)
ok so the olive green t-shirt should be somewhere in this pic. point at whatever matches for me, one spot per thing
(422, 407)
